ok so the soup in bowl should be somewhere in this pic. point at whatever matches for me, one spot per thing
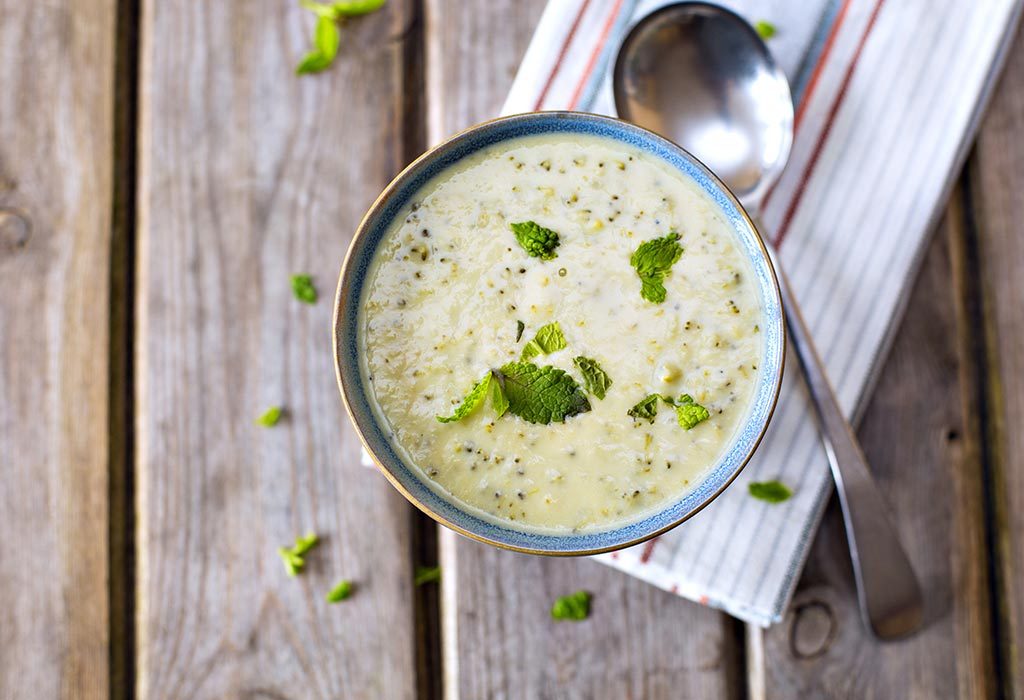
(558, 333)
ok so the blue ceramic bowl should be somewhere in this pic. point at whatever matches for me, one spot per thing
(356, 393)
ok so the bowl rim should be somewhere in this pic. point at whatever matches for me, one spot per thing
(342, 296)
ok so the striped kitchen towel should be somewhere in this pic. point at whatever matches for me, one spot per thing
(888, 94)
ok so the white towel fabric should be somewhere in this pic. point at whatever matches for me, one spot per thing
(888, 95)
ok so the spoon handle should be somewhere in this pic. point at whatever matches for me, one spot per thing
(887, 590)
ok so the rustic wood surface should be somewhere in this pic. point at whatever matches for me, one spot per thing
(56, 203)
(161, 342)
(248, 174)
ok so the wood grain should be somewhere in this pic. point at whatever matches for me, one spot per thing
(499, 639)
(922, 437)
(248, 174)
(56, 189)
(998, 170)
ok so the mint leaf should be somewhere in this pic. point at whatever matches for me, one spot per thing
(541, 394)
(344, 8)
(770, 491)
(765, 30)
(499, 402)
(548, 339)
(520, 327)
(646, 408)
(469, 404)
(294, 556)
(303, 289)
(270, 417)
(340, 592)
(572, 607)
(427, 574)
(595, 379)
(689, 412)
(326, 39)
(652, 261)
(536, 240)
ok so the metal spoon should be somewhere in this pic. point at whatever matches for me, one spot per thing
(700, 75)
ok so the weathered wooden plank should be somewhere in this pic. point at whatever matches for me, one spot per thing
(249, 173)
(499, 639)
(998, 169)
(922, 437)
(56, 197)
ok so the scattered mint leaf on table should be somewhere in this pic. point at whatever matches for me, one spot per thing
(427, 574)
(340, 592)
(770, 491)
(548, 339)
(595, 379)
(294, 556)
(303, 289)
(270, 417)
(345, 8)
(765, 29)
(326, 39)
(572, 607)
(652, 261)
(645, 409)
(689, 412)
(469, 404)
(536, 240)
(541, 394)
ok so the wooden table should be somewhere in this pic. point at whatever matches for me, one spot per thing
(163, 171)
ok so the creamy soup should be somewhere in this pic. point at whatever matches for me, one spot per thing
(551, 241)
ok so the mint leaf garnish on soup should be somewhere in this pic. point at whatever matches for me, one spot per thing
(427, 574)
(473, 400)
(303, 289)
(652, 261)
(520, 327)
(326, 39)
(499, 402)
(536, 240)
(340, 592)
(541, 394)
(689, 412)
(765, 29)
(595, 379)
(646, 408)
(548, 339)
(270, 417)
(572, 607)
(770, 491)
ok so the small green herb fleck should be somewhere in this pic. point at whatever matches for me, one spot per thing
(326, 39)
(549, 339)
(572, 607)
(536, 240)
(689, 412)
(427, 574)
(340, 592)
(302, 287)
(770, 491)
(520, 327)
(765, 29)
(595, 379)
(294, 556)
(646, 408)
(541, 394)
(652, 261)
(270, 417)
(469, 404)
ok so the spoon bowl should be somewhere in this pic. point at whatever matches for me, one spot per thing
(701, 75)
